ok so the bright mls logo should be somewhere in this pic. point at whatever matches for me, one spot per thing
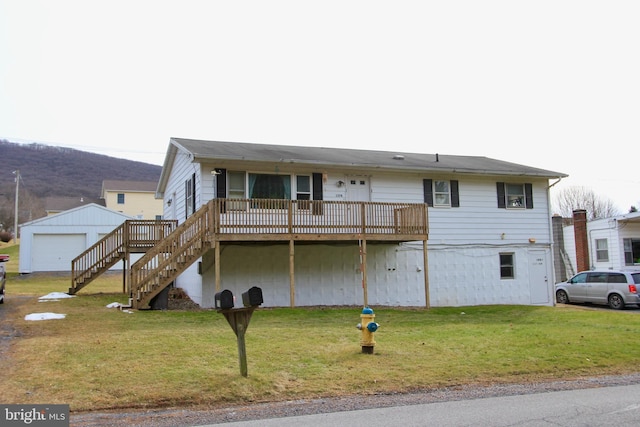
(34, 415)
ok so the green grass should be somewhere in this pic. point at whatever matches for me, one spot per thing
(98, 358)
(13, 250)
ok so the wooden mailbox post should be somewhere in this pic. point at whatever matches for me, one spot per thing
(239, 318)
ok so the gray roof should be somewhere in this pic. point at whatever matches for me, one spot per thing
(219, 150)
(59, 204)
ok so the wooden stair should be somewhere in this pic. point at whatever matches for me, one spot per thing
(99, 258)
(169, 258)
(132, 236)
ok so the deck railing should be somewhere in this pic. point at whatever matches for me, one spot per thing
(130, 237)
(312, 217)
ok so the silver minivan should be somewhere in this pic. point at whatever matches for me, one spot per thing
(615, 288)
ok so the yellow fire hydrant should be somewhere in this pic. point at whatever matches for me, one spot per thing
(368, 327)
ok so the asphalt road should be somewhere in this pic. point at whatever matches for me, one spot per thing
(607, 406)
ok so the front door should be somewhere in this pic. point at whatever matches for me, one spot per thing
(358, 189)
(538, 281)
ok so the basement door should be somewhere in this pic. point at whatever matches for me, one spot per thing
(538, 280)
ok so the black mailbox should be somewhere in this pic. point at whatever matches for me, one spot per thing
(253, 297)
(224, 299)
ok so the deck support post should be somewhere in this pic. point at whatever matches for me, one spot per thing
(363, 270)
(216, 251)
(292, 283)
(124, 276)
(426, 274)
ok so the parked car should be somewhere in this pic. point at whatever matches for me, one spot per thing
(3, 259)
(613, 287)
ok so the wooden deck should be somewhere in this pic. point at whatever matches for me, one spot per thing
(169, 249)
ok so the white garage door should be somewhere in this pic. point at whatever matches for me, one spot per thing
(54, 252)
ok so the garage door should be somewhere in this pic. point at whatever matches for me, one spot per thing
(54, 252)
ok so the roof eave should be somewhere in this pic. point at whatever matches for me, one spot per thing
(199, 158)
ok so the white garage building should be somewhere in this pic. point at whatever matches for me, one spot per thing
(52, 242)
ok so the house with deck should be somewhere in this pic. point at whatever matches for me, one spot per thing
(326, 226)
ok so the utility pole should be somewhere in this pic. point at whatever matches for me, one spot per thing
(15, 219)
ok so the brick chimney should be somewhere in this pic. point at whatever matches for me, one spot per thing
(582, 240)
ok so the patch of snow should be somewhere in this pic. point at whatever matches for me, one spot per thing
(114, 305)
(55, 296)
(44, 316)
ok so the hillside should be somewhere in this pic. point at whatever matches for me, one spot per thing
(48, 171)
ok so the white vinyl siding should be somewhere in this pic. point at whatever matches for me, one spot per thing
(464, 245)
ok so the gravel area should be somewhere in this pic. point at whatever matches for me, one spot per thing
(179, 417)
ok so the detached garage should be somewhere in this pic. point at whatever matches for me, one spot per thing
(50, 243)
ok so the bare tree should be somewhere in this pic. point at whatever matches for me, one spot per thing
(571, 198)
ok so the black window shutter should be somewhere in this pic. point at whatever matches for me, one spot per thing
(427, 186)
(455, 194)
(502, 203)
(187, 187)
(193, 191)
(317, 186)
(221, 183)
(317, 193)
(528, 196)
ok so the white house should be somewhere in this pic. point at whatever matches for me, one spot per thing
(489, 225)
(606, 243)
(50, 243)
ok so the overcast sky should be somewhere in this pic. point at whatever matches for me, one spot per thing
(550, 84)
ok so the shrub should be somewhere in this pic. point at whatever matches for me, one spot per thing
(5, 236)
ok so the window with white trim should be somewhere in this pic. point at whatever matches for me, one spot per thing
(631, 251)
(235, 181)
(515, 196)
(269, 186)
(441, 193)
(507, 266)
(303, 191)
(602, 250)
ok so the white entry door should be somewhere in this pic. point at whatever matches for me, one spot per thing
(358, 189)
(538, 279)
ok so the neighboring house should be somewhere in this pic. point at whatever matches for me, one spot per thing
(55, 205)
(291, 220)
(133, 198)
(50, 243)
(608, 243)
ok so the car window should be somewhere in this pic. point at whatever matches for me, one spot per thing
(636, 278)
(616, 278)
(579, 278)
(597, 277)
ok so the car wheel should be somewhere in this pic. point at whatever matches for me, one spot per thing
(562, 297)
(616, 302)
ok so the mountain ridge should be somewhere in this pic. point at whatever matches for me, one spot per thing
(51, 171)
